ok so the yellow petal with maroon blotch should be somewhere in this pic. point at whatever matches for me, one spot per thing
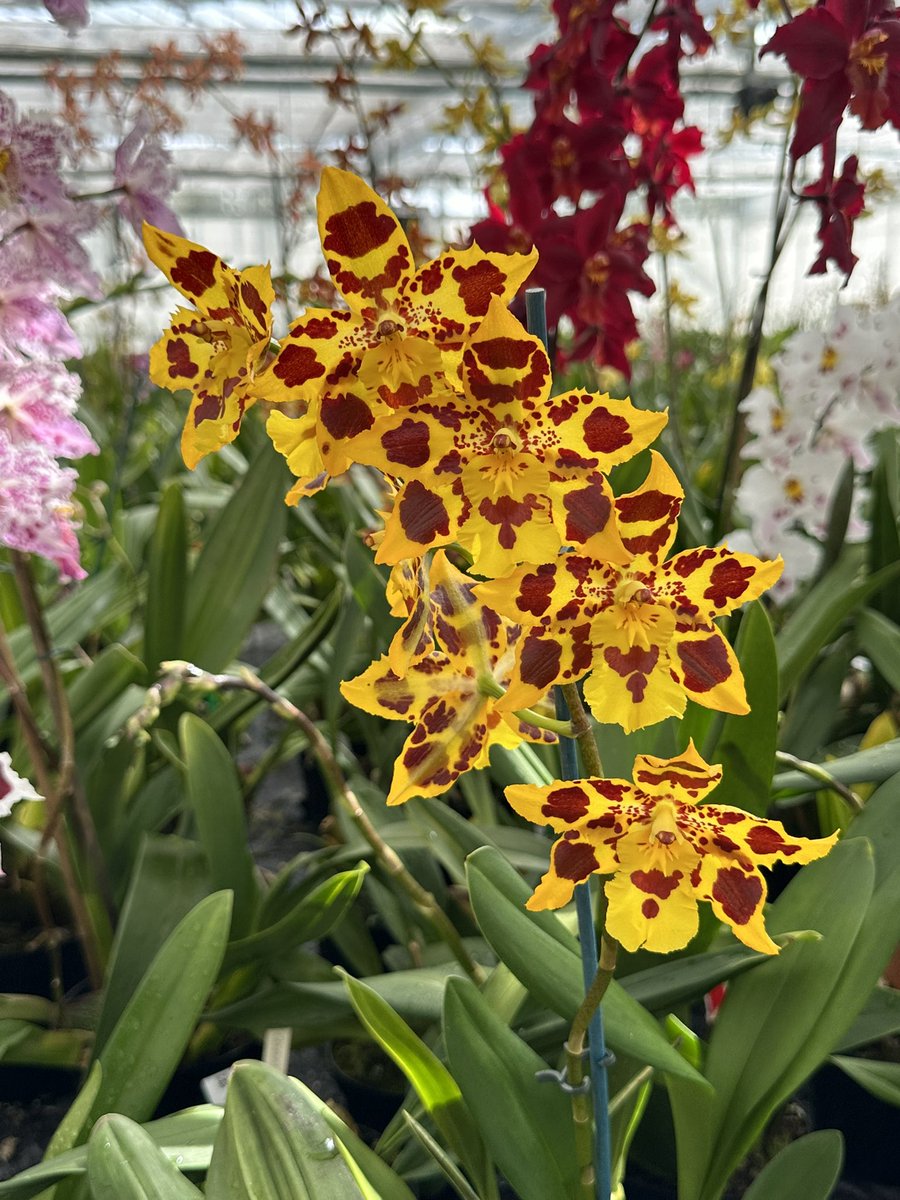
(651, 902)
(364, 245)
(737, 895)
(196, 272)
(451, 294)
(648, 516)
(706, 667)
(599, 432)
(295, 438)
(714, 580)
(407, 443)
(505, 526)
(380, 692)
(421, 518)
(532, 595)
(181, 357)
(594, 807)
(463, 626)
(584, 516)
(546, 657)
(315, 346)
(573, 859)
(504, 366)
(220, 399)
(631, 685)
(732, 835)
(256, 296)
(687, 774)
(408, 595)
(453, 735)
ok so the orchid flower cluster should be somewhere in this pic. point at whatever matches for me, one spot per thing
(427, 377)
(43, 263)
(847, 54)
(608, 127)
(835, 390)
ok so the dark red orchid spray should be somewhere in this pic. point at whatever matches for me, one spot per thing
(608, 128)
(847, 52)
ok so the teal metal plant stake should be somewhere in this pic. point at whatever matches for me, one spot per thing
(598, 1056)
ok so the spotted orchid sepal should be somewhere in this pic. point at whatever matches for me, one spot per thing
(218, 349)
(665, 849)
(644, 633)
(455, 723)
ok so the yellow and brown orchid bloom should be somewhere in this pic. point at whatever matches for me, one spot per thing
(664, 848)
(645, 631)
(402, 327)
(219, 348)
(449, 694)
(501, 467)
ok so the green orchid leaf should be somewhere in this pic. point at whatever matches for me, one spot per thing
(217, 803)
(167, 572)
(149, 1038)
(433, 1083)
(312, 917)
(809, 1167)
(820, 614)
(526, 1124)
(235, 568)
(273, 1143)
(186, 1138)
(170, 878)
(125, 1163)
(746, 744)
(882, 1079)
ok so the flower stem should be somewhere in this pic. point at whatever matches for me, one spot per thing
(386, 856)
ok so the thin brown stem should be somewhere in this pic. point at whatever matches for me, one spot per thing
(67, 793)
(728, 481)
(821, 776)
(583, 732)
(54, 786)
(386, 856)
(50, 673)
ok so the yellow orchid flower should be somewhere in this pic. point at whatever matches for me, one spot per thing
(448, 694)
(218, 349)
(664, 849)
(403, 329)
(501, 467)
(399, 322)
(645, 630)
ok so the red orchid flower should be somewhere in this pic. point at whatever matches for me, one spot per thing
(847, 52)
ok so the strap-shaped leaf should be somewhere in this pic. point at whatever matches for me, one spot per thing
(170, 877)
(526, 1124)
(166, 581)
(186, 1138)
(433, 1083)
(214, 794)
(312, 917)
(808, 1167)
(273, 1144)
(746, 745)
(151, 1035)
(124, 1163)
(235, 567)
